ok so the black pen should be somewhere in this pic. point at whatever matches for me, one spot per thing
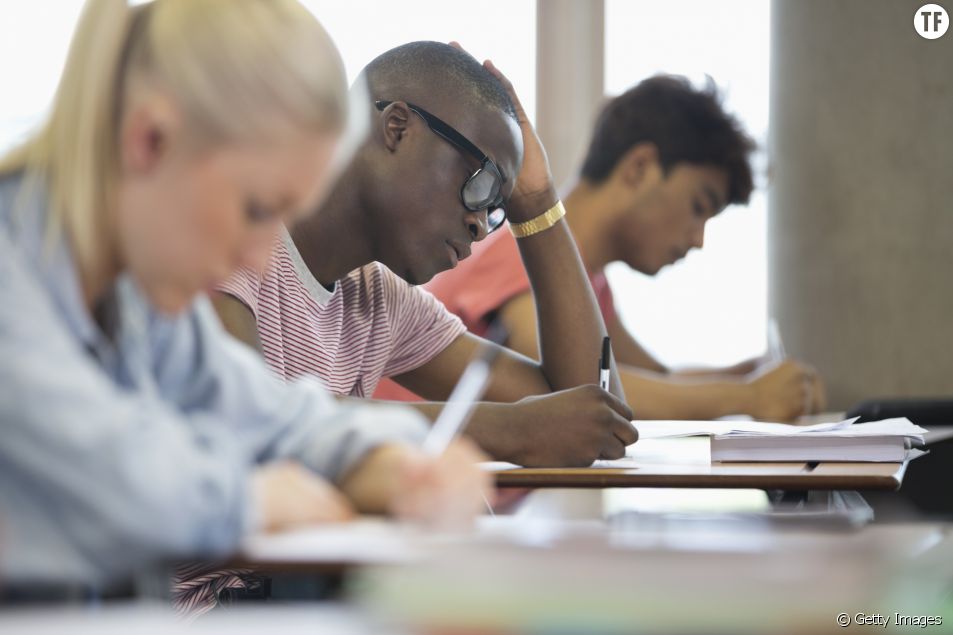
(604, 364)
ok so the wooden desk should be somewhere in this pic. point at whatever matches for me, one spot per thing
(672, 581)
(334, 547)
(158, 618)
(519, 575)
(687, 463)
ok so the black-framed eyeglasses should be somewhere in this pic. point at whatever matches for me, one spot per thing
(483, 190)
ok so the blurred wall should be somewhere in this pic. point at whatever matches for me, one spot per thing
(569, 79)
(861, 201)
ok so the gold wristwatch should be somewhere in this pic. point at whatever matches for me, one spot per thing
(541, 223)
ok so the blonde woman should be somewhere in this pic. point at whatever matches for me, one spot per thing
(182, 134)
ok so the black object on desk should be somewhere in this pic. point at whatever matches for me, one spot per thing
(925, 411)
(925, 488)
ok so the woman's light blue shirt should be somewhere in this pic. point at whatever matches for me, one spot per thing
(118, 454)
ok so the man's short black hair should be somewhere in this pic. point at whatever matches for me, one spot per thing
(437, 67)
(685, 124)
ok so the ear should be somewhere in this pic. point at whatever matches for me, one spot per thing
(394, 122)
(144, 135)
(638, 166)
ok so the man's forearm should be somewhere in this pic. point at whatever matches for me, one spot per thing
(571, 328)
(654, 396)
(371, 485)
(739, 370)
(488, 427)
(569, 322)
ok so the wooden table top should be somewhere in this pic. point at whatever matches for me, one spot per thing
(687, 463)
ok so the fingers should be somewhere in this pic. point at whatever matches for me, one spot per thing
(616, 416)
(613, 417)
(808, 407)
(620, 423)
(788, 391)
(615, 449)
(621, 431)
(446, 491)
(286, 494)
(625, 432)
(618, 405)
(820, 395)
(812, 388)
(815, 395)
(326, 502)
(508, 87)
(497, 73)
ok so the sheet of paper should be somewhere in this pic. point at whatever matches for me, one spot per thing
(498, 466)
(671, 429)
(366, 539)
(900, 427)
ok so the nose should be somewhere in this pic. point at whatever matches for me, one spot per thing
(477, 224)
(698, 237)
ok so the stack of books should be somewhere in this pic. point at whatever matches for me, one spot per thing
(889, 440)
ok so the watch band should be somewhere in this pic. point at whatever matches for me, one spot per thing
(541, 223)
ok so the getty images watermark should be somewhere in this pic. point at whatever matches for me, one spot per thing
(884, 620)
(931, 21)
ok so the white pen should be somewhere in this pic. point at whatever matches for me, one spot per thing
(455, 414)
(777, 355)
(604, 364)
(776, 351)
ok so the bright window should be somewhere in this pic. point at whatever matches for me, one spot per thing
(501, 30)
(34, 37)
(710, 308)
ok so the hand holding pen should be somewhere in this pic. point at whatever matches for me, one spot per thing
(464, 397)
(440, 479)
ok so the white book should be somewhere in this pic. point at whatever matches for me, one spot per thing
(880, 441)
(755, 448)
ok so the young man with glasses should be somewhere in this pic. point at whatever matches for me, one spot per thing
(448, 140)
(448, 151)
(663, 160)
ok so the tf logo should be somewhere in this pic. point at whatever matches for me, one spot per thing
(931, 21)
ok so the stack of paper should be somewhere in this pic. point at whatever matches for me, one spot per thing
(887, 440)
(673, 429)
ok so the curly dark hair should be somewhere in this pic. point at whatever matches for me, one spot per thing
(685, 124)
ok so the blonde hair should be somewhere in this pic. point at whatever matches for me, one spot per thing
(236, 68)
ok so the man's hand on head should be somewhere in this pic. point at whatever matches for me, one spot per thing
(534, 192)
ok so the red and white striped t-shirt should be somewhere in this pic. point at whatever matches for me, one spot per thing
(372, 325)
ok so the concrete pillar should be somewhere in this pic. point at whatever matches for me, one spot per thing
(861, 202)
(569, 78)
